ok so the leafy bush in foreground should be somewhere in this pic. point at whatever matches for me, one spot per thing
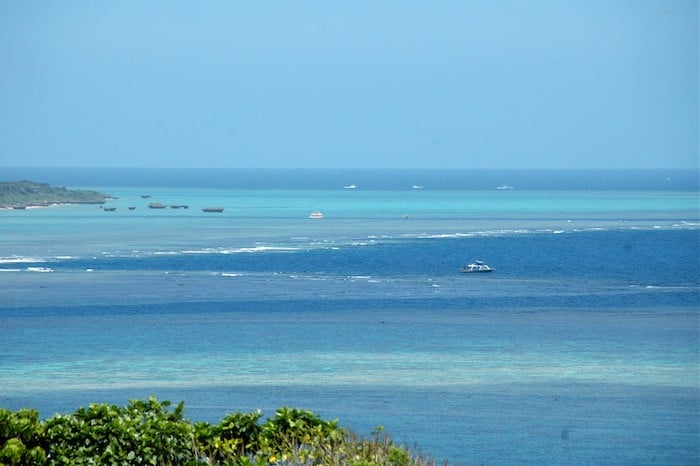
(149, 433)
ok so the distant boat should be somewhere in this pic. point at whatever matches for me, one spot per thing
(213, 209)
(131, 208)
(145, 196)
(417, 186)
(476, 267)
(179, 206)
(316, 214)
(505, 186)
(156, 205)
(109, 209)
(350, 186)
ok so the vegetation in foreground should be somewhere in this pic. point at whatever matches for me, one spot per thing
(29, 193)
(148, 432)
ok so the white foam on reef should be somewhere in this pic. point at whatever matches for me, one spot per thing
(31, 260)
(665, 288)
(265, 249)
(227, 274)
(363, 243)
(624, 225)
(473, 234)
(444, 235)
(20, 260)
(39, 269)
(253, 249)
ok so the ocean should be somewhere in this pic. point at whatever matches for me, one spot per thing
(581, 347)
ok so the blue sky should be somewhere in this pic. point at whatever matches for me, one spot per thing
(359, 84)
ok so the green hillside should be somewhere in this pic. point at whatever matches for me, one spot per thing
(29, 193)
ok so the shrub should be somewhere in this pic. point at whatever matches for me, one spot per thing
(148, 432)
(142, 433)
(20, 435)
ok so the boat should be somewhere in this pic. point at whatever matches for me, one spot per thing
(132, 207)
(417, 186)
(350, 186)
(213, 209)
(316, 214)
(505, 187)
(109, 209)
(145, 196)
(476, 267)
(156, 205)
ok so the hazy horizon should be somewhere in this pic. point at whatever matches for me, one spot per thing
(450, 84)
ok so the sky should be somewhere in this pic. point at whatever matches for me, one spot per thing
(350, 84)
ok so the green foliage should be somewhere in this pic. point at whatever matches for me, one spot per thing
(235, 436)
(142, 433)
(20, 434)
(148, 432)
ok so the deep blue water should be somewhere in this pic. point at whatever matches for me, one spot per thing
(582, 347)
(587, 255)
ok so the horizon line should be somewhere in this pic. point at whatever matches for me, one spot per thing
(117, 167)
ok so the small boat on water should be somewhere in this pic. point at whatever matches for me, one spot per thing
(350, 186)
(505, 187)
(109, 209)
(213, 209)
(476, 267)
(316, 215)
(145, 196)
(132, 207)
(156, 205)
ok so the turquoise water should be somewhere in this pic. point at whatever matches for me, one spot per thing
(280, 218)
(581, 348)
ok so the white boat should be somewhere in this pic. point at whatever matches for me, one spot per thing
(417, 186)
(476, 267)
(350, 186)
(316, 214)
(505, 186)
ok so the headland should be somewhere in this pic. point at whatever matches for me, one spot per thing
(23, 194)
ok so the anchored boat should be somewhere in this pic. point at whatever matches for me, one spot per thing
(476, 267)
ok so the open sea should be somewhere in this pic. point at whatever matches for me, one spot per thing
(582, 347)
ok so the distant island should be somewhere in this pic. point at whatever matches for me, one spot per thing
(23, 194)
